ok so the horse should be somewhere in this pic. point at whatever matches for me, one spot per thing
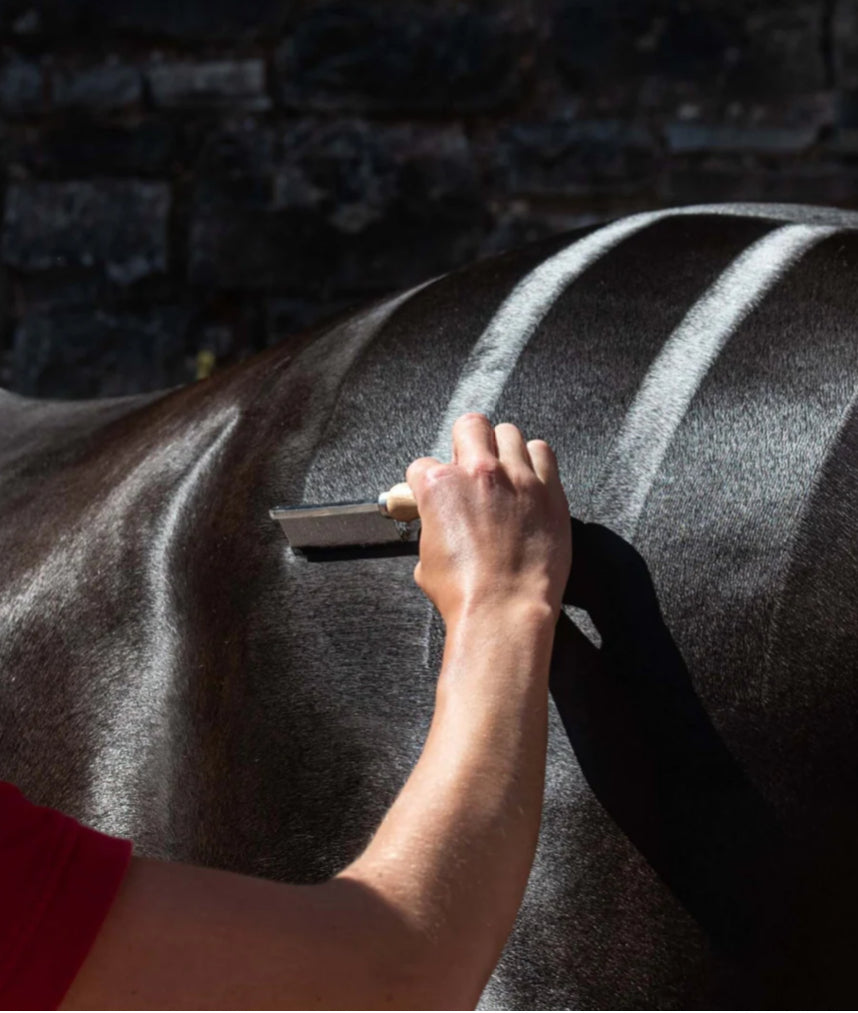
(173, 672)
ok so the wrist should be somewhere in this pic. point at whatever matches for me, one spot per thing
(492, 651)
(528, 615)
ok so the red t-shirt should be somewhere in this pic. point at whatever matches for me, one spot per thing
(58, 879)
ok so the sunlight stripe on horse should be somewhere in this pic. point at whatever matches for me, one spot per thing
(618, 498)
(676, 373)
(496, 352)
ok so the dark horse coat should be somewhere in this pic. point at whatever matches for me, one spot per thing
(170, 671)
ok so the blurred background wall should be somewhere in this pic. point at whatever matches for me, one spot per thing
(189, 181)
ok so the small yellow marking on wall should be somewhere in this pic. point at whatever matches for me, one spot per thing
(205, 363)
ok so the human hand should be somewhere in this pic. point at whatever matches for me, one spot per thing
(495, 526)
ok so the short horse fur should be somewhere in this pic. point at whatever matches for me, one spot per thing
(170, 671)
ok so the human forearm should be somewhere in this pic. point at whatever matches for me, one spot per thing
(418, 921)
(420, 918)
(454, 852)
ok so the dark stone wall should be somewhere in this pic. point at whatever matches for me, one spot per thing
(189, 181)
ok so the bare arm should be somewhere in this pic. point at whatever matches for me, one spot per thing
(417, 922)
(420, 918)
(455, 850)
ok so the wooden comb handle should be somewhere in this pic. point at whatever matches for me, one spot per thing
(399, 503)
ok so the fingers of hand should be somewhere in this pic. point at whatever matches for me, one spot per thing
(544, 461)
(474, 442)
(513, 451)
(477, 447)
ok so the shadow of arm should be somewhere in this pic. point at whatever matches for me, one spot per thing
(653, 757)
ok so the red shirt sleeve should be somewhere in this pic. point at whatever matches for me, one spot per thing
(58, 879)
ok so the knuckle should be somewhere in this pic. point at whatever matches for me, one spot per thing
(486, 471)
(437, 472)
(490, 467)
(419, 466)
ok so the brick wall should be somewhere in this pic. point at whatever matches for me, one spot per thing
(188, 181)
